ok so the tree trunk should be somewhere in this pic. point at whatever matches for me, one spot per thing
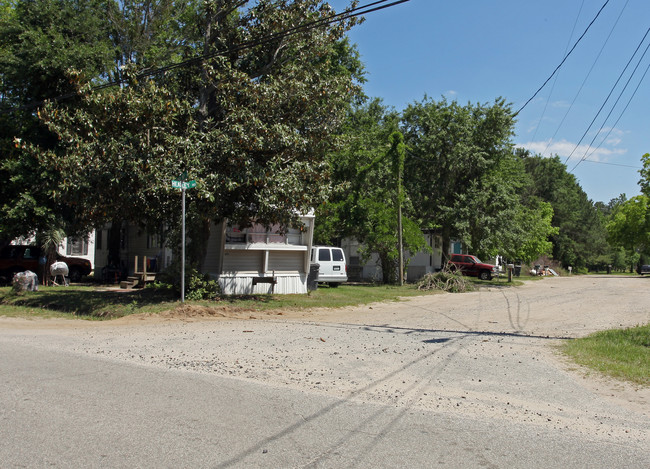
(198, 247)
(445, 247)
(113, 243)
(388, 270)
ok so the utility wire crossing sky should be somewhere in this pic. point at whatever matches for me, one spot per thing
(576, 70)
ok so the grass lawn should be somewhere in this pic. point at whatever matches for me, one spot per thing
(91, 302)
(623, 354)
(96, 302)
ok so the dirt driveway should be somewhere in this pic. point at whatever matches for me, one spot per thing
(489, 354)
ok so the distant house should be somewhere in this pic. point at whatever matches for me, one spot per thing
(419, 264)
(134, 242)
(83, 247)
(79, 247)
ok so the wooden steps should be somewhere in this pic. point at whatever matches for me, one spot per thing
(139, 278)
(130, 282)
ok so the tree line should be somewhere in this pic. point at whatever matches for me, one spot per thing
(103, 103)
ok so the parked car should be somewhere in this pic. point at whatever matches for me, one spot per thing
(472, 266)
(14, 259)
(643, 269)
(332, 267)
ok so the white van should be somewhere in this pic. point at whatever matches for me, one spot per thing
(331, 260)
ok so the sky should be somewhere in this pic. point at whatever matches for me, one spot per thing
(593, 113)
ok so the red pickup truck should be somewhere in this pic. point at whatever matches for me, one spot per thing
(472, 265)
(14, 258)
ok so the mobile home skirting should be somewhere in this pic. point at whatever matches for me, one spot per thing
(242, 284)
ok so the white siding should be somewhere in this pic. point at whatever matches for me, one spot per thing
(286, 261)
(242, 261)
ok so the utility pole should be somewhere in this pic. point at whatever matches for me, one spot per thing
(398, 151)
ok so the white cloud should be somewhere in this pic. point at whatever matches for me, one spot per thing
(564, 148)
(560, 104)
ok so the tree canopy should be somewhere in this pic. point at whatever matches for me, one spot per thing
(250, 115)
(40, 41)
(104, 102)
(365, 173)
(581, 233)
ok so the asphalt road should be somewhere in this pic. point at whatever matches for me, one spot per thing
(453, 381)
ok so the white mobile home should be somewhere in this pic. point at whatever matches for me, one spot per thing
(244, 260)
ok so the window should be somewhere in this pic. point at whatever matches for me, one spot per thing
(337, 254)
(154, 241)
(235, 235)
(30, 253)
(324, 255)
(77, 247)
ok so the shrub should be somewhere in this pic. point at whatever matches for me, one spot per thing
(201, 287)
(198, 286)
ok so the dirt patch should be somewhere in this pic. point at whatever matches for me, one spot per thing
(488, 354)
(187, 312)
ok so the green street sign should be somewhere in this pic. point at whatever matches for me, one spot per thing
(183, 185)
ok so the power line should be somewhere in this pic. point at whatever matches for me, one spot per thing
(337, 18)
(614, 164)
(609, 95)
(550, 94)
(563, 60)
(593, 65)
(613, 106)
(586, 158)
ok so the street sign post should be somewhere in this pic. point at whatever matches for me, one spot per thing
(182, 184)
(176, 184)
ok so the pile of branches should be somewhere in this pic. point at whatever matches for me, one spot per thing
(447, 280)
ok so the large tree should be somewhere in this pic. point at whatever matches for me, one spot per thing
(629, 225)
(366, 174)
(453, 170)
(644, 182)
(581, 236)
(40, 40)
(251, 120)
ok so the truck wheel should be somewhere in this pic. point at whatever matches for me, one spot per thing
(485, 275)
(334, 284)
(75, 275)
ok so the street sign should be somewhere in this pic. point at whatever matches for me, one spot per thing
(183, 185)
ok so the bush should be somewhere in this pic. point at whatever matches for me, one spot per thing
(446, 280)
(198, 286)
(201, 287)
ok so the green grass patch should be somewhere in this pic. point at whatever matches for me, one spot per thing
(83, 302)
(97, 303)
(622, 354)
(327, 297)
